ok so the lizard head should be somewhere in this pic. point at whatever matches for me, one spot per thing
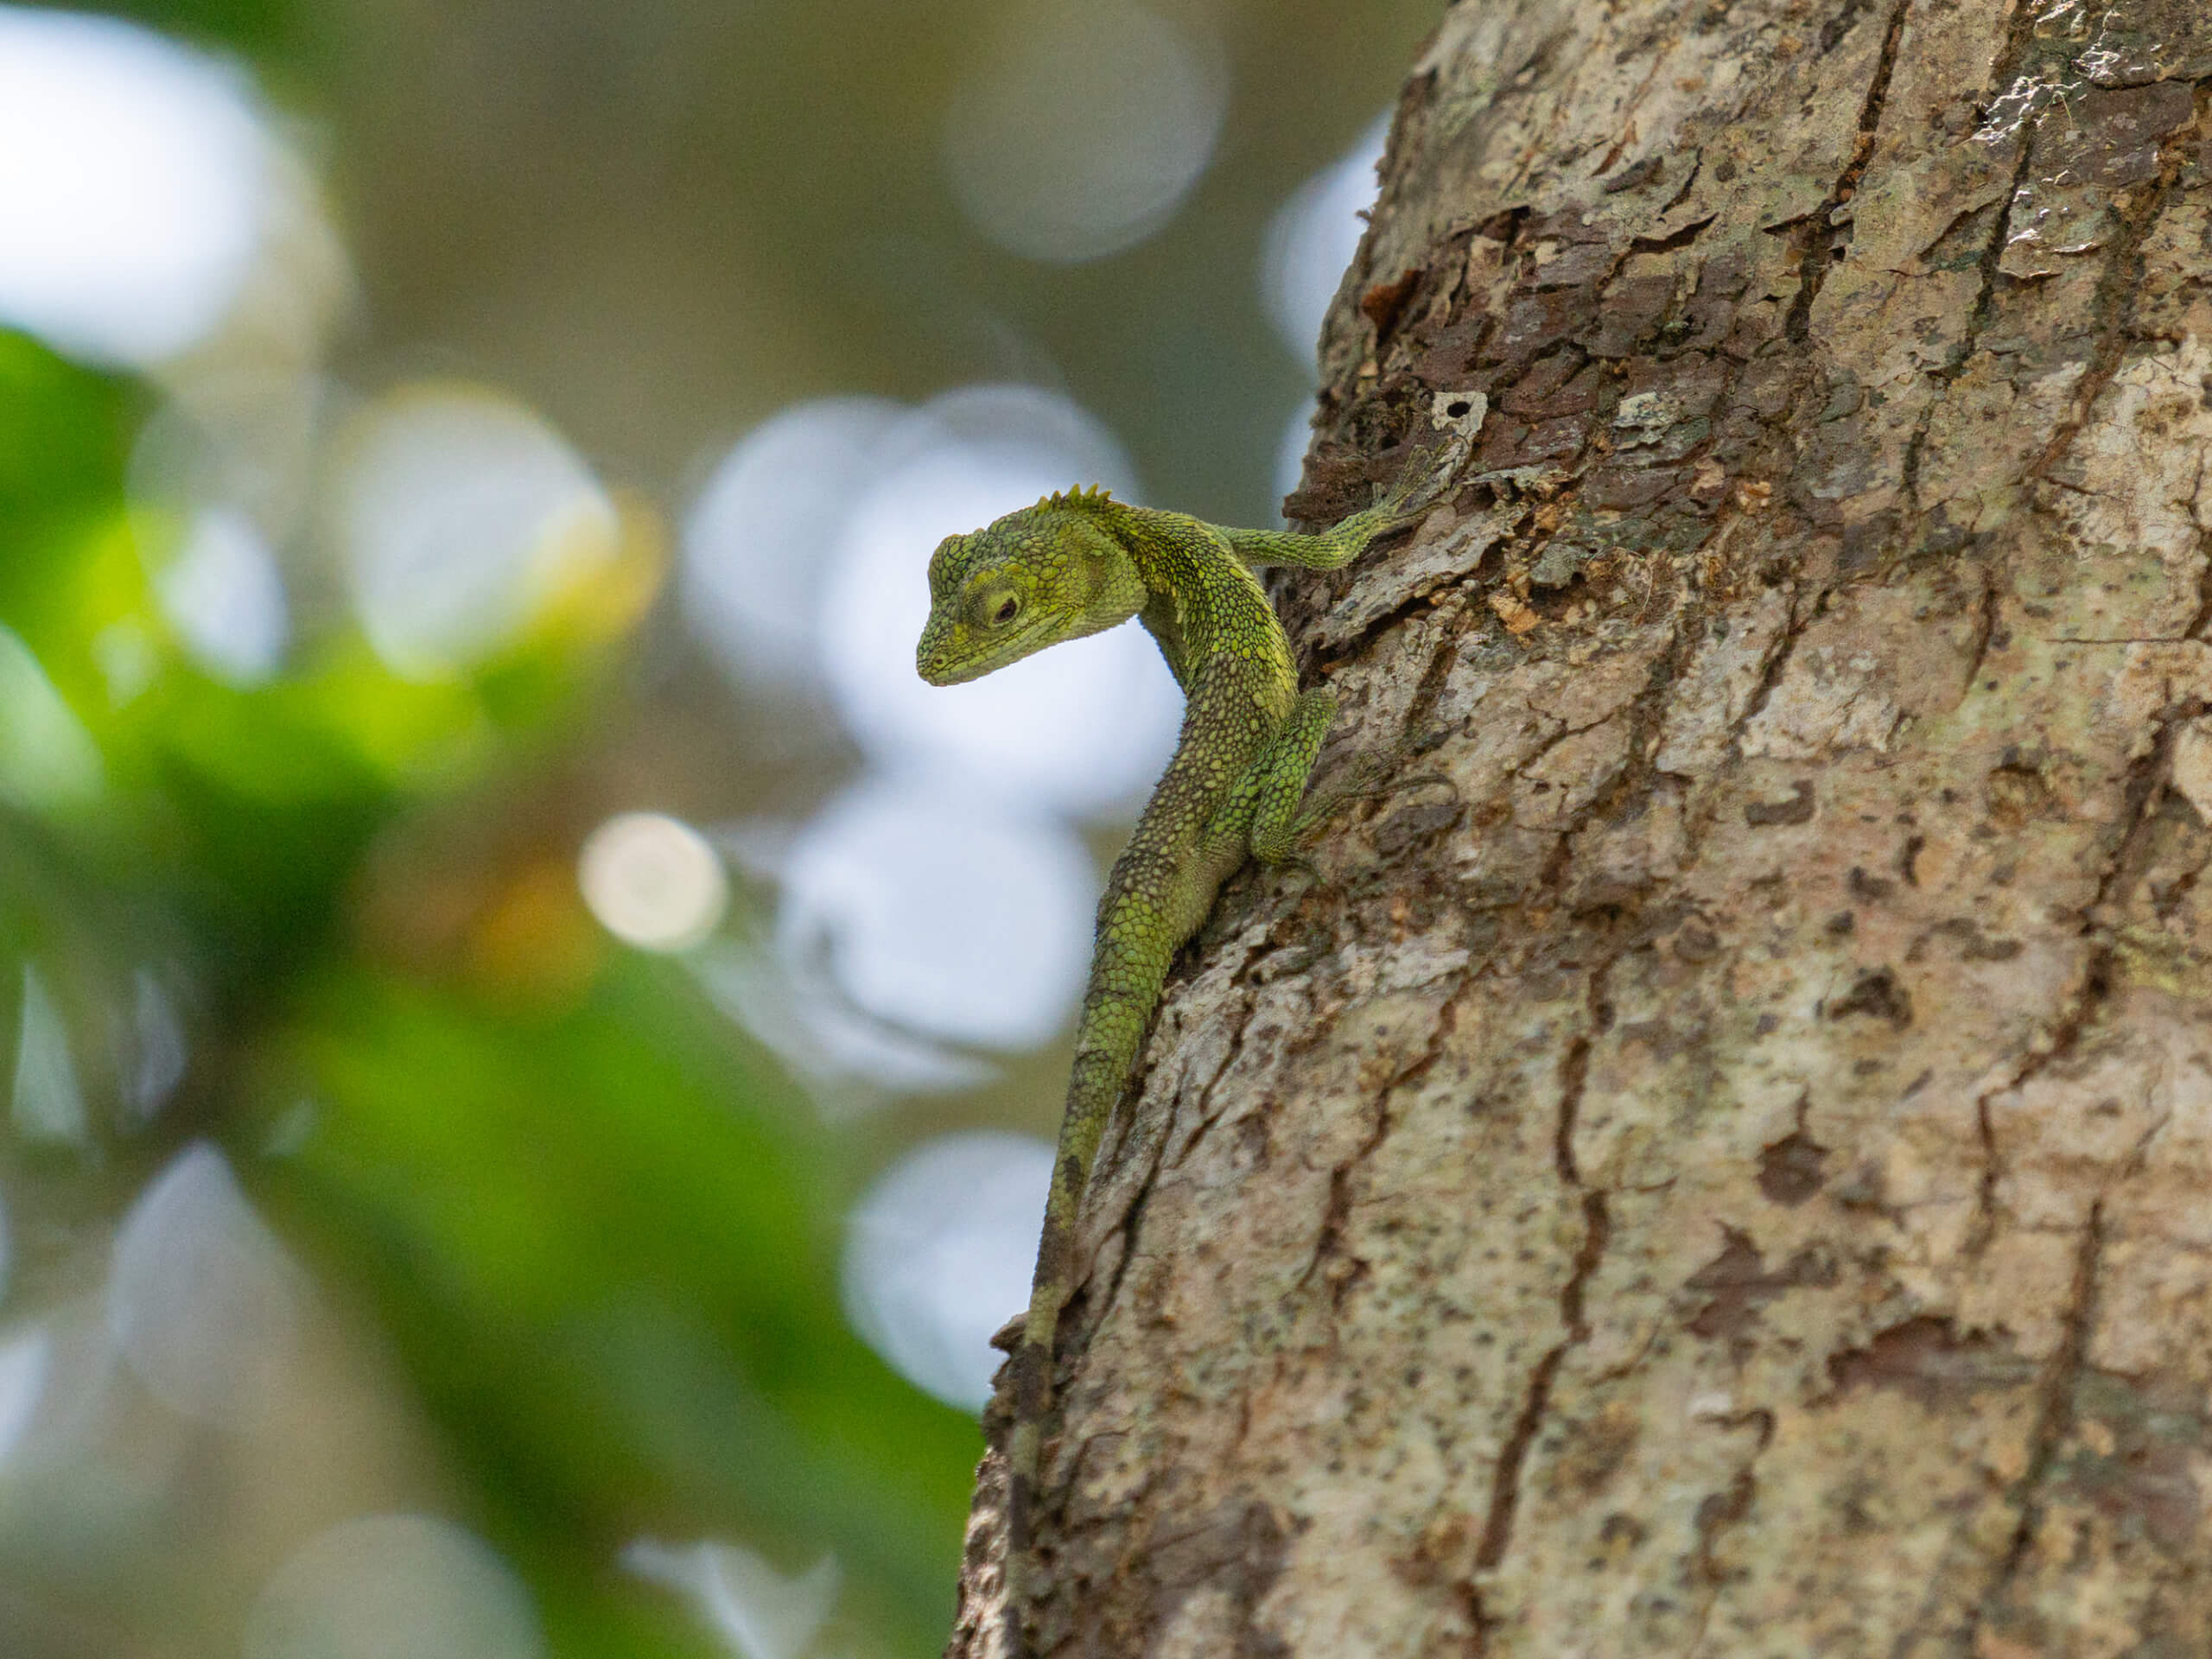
(1030, 579)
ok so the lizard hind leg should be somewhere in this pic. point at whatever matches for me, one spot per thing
(1286, 811)
(1282, 818)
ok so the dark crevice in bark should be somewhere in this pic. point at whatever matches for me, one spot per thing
(1132, 1218)
(1984, 627)
(1362, 643)
(1674, 240)
(2146, 782)
(2004, 74)
(1721, 1511)
(1636, 774)
(1627, 117)
(2096, 987)
(1205, 1115)
(1433, 679)
(2119, 286)
(2054, 1420)
(1819, 237)
(2203, 619)
(1778, 659)
(1505, 1490)
(1955, 363)
(1689, 182)
(1543, 749)
(1647, 716)
(1597, 1227)
(1329, 1242)
(1574, 1074)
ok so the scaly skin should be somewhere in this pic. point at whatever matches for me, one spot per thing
(1072, 565)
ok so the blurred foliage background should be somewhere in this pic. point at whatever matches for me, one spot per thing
(514, 1139)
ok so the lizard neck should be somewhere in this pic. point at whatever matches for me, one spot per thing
(1201, 602)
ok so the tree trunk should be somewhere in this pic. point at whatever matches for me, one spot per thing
(1730, 1171)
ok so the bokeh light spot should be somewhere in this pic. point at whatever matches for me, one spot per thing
(462, 517)
(798, 1013)
(1083, 127)
(757, 538)
(757, 1613)
(232, 440)
(652, 882)
(224, 595)
(131, 180)
(941, 914)
(203, 1301)
(393, 1587)
(938, 1257)
(26, 1359)
(158, 1035)
(1290, 451)
(47, 759)
(48, 1104)
(1314, 239)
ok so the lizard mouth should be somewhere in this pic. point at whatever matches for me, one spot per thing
(944, 673)
(936, 658)
(938, 667)
(941, 672)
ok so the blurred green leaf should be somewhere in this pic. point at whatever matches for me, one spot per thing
(604, 1241)
(258, 26)
(64, 432)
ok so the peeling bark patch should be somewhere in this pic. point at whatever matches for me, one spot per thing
(1928, 1360)
(1381, 303)
(1739, 1284)
(1879, 996)
(1798, 808)
(1790, 1168)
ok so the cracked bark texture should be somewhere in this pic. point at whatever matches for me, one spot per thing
(1724, 1166)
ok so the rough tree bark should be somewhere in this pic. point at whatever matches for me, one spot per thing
(1732, 1174)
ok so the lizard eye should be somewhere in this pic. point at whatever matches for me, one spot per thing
(1006, 610)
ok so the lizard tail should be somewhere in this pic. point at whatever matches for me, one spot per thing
(1033, 1391)
(1133, 951)
(1092, 1090)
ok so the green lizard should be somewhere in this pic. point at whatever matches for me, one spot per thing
(1070, 566)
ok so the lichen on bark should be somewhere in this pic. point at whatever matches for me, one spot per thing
(1720, 1163)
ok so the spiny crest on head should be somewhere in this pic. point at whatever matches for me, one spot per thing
(1092, 495)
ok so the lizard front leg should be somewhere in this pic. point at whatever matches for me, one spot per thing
(1423, 485)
